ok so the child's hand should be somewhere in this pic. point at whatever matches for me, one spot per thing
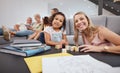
(63, 42)
(58, 46)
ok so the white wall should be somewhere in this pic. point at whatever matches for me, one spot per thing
(70, 7)
(16, 11)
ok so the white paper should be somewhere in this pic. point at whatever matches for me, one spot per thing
(76, 64)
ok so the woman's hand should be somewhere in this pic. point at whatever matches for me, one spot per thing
(91, 48)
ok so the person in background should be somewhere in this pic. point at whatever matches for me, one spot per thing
(19, 27)
(25, 26)
(95, 38)
(46, 23)
(53, 11)
(37, 26)
(55, 35)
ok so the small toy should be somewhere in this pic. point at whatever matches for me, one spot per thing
(74, 48)
(57, 46)
(64, 50)
(67, 47)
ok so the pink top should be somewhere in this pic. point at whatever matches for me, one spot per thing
(97, 41)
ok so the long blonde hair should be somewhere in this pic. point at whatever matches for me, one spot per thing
(89, 31)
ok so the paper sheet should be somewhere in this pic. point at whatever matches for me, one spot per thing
(35, 63)
(76, 64)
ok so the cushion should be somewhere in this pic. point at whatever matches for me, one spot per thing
(71, 26)
(71, 41)
(67, 27)
(113, 23)
(98, 20)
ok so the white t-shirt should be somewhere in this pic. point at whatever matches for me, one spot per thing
(55, 36)
(22, 27)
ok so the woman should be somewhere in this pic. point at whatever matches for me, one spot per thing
(37, 27)
(95, 38)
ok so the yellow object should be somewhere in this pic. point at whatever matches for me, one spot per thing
(57, 46)
(35, 63)
(74, 48)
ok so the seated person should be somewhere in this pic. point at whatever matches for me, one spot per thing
(25, 26)
(95, 38)
(37, 26)
(36, 34)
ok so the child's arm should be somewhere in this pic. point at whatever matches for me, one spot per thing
(65, 39)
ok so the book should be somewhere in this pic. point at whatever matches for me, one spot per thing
(25, 43)
(25, 51)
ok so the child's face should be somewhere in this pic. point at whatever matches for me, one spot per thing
(57, 21)
(81, 22)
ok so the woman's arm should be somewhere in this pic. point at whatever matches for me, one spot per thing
(113, 38)
(106, 35)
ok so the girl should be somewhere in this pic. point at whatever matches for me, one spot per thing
(55, 35)
(96, 38)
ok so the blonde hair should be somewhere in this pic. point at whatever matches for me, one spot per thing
(37, 15)
(89, 31)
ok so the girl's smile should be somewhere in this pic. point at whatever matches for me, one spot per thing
(58, 21)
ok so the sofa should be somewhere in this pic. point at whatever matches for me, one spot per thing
(111, 22)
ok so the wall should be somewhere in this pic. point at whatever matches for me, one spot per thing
(70, 7)
(16, 11)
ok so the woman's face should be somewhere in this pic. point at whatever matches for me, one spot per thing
(81, 22)
(58, 21)
(37, 18)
